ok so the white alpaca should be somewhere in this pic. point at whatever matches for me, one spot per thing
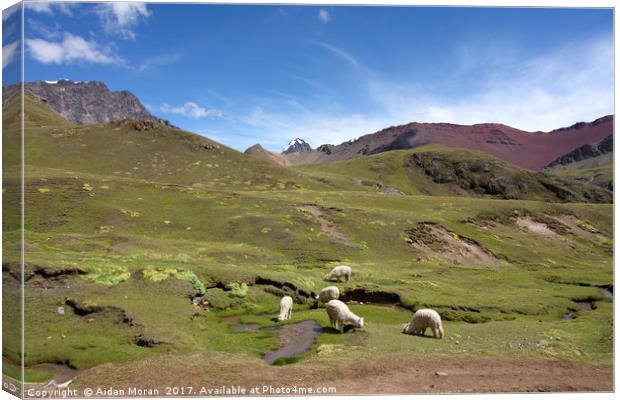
(339, 272)
(286, 307)
(422, 320)
(339, 315)
(328, 293)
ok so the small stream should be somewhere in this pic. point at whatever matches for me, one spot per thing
(295, 339)
(606, 291)
(589, 303)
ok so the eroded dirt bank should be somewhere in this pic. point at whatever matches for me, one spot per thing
(394, 374)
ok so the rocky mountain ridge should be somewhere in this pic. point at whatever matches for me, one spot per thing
(85, 102)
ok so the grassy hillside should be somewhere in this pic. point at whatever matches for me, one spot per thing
(125, 228)
(600, 175)
(141, 151)
(437, 170)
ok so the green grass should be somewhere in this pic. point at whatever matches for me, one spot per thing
(601, 175)
(30, 376)
(147, 241)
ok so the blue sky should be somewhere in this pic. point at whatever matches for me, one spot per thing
(266, 74)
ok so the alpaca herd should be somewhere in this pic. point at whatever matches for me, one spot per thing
(340, 315)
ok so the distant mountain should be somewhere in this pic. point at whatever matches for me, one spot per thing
(531, 150)
(297, 145)
(257, 151)
(84, 102)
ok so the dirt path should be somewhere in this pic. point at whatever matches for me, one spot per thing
(394, 374)
(327, 227)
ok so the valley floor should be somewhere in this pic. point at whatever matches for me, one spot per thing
(387, 375)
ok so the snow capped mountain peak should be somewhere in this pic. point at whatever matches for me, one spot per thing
(65, 81)
(296, 140)
(296, 145)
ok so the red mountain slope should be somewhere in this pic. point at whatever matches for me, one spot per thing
(532, 150)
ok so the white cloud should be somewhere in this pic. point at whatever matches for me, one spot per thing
(9, 52)
(191, 110)
(39, 7)
(120, 18)
(44, 7)
(324, 16)
(71, 49)
(338, 52)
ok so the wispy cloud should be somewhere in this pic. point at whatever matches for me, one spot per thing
(44, 7)
(36, 26)
(165, 59)
(120, 19)
(191, 110)
(324, 16)
(8, 30)
(71, 49)
(257, 117)
(338, 52)
(9, 53)
(8, 12)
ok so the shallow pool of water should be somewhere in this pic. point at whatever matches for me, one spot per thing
(295, 339)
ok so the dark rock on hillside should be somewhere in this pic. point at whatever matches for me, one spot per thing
(497, 179)
(145, 125)
(584, 152)
(325, 148)
(88, 102)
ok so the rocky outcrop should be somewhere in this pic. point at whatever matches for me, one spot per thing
(492, 177)
(584, 152)
(85, 102)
